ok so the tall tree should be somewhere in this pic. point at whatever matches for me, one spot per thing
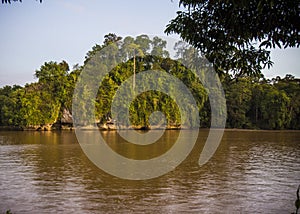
(10, 105)
(53, 76)
(54, 84)
(291, 86)
(158, 46)
(131, 50)
(235, 35)
(144, 43)
(238, 100)
(270, 107)
(111, 38)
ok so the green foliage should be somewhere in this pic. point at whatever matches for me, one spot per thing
(10, 104)
(38, 103)
(262, 104)
(38, 107)
(234, 35)
(238, 100)
(158, 46)
(148, 102)
(273, 107)
(291, 87)
(251, 102)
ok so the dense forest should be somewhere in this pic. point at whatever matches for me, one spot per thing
(253, 102)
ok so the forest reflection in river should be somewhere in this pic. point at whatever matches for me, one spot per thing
(251, 172)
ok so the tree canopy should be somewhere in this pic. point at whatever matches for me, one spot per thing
(251, 102)
(235, 35)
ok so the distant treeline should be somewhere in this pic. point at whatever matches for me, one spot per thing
(252, 102)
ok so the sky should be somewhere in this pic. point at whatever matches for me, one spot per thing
(33, 33)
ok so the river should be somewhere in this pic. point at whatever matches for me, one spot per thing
(251, 172)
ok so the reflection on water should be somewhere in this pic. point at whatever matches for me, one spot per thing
(251, 172)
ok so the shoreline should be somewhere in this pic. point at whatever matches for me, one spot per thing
(40, 129)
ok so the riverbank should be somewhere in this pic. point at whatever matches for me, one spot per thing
(110, 128)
